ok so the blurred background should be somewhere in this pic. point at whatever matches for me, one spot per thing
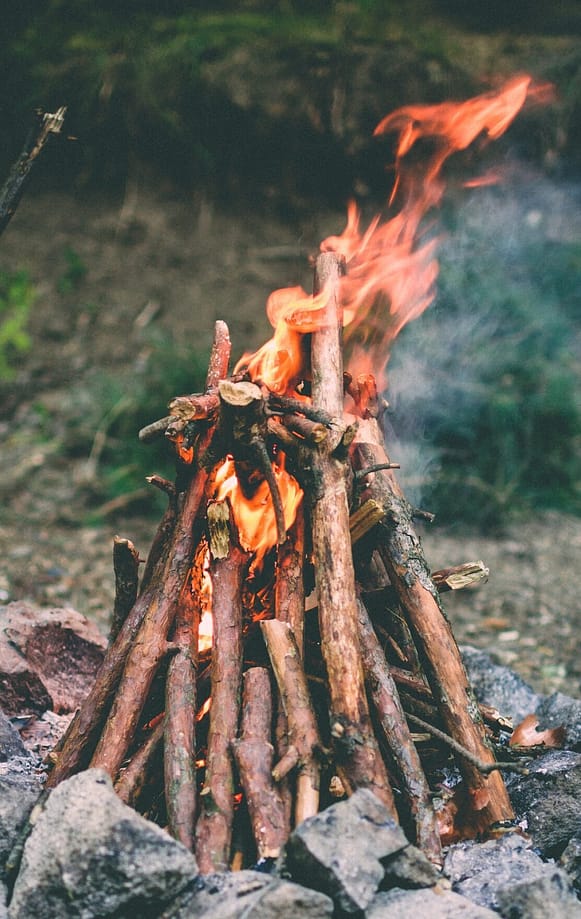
(208, 148)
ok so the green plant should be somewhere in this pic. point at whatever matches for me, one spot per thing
(17, 296)
(74, 272)
(108, 413)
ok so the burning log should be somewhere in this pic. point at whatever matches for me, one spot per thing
(358, 758)
(227, 570)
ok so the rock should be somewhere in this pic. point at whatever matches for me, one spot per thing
(547, 800)
(90, 856)
(479, 871)
(498, 686)
(410, 868)
(3, 898)
(343, 850)
(18, 795)
(10, 740)
(550, 894)
(570, 861)
(48, 658)
(432, 904)
(251, 894)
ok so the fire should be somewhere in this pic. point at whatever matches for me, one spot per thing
(254, 516)
(391, 265)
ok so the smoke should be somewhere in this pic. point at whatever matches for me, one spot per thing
(507, 309)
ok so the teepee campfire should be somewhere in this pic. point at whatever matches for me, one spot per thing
(286, 643)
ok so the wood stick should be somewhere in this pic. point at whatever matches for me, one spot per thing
(126, 568)
(132, 779)
(304, 742)
(403, 557)
(45, 126)
(460, 576)
(180, 722)
(289, 606)
(289, 589)
(358, 758)
(227, 569)
(395, 729)
(254, 755)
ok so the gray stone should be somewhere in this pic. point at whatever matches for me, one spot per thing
(570, 861)
(479, 870)
(10, 740)
(498, 686)
(547, 800)
(410, 868)
(425, 904)
(18, 794)
(252, 895)
(342, 850)
(89, 856)
(548, 895)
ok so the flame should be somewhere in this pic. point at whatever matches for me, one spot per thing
(254, 517)
(391, 265)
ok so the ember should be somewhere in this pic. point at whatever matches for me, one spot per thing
(279, 489)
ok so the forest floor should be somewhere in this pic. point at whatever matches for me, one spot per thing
(111, 278)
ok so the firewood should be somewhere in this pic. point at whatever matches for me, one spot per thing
(289, 589)
(357, 754)
(392, 721)
(404, 560)
(126, 568)
(254, 755)
(134, 776)
(180, 735)
(228, 568)
(460, 576)
(304, 742)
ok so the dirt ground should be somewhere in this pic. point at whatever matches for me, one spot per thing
(177, 264)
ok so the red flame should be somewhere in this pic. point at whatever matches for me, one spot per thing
(254, 517)
(391, 266)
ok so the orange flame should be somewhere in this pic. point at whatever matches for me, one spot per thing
(391, 266)
(254, 517)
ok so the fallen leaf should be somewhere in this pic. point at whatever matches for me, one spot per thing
(526, 734)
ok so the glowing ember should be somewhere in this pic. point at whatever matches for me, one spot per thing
(391, 268)
(254, 517)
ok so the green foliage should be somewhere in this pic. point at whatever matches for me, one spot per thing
(17, 296)
(501, 406)
(108, 412)
(74, 272)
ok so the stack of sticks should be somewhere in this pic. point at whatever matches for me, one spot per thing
(298, 699)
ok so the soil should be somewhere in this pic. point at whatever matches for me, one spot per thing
(158, 262)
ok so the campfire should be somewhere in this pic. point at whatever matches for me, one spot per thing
(286, 643)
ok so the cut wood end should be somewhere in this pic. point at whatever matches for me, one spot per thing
(219, 528)
(239, 394)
